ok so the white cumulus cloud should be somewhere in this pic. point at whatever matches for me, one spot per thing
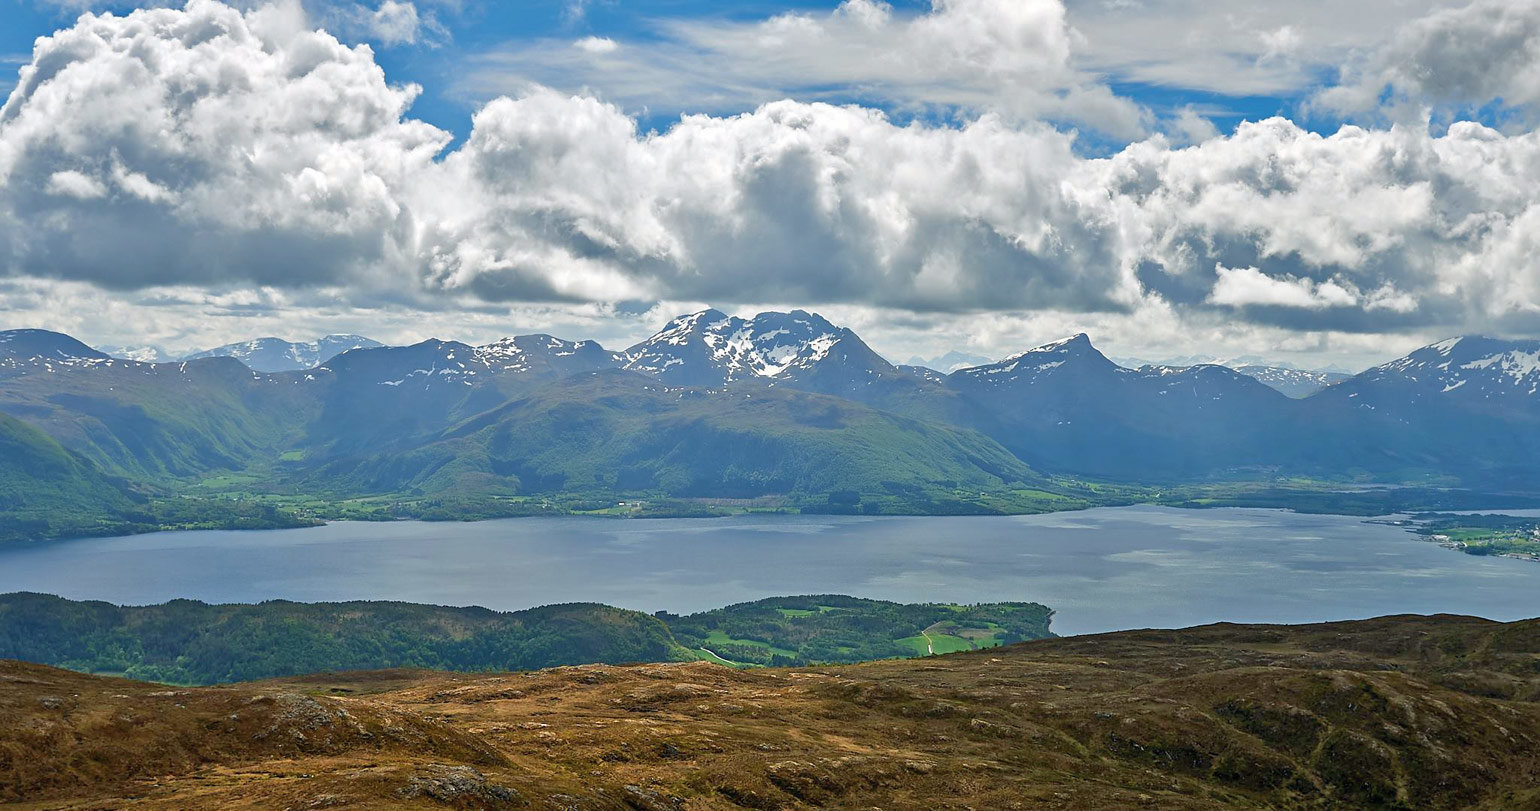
(1462, 58)
(1011, 56)
(1243, 287)
(213, 149)
(204, 144)
(394, 23)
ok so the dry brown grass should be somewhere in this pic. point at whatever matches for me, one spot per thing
(1400, 712)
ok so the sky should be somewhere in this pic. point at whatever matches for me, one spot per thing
(1316, 183)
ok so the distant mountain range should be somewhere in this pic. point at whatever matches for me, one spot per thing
(259, 354)
(1293, 382)
(720, 407)
(278, 355)
(731, 359)
(949, 362)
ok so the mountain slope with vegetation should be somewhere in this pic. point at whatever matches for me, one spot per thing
(1400, 712)
(619, 432)
(784, 409)
(47, 492)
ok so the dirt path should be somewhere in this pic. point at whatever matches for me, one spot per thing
(720, 658)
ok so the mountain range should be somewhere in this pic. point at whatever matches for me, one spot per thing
(278, 355)
(721, 407)
(259, 354)
(1293, 382)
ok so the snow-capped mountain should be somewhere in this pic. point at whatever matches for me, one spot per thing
(1463, 409)
(1465, 406)
(1469, 369)
(544, 353)
(435, 361)
(1041, 363)
(44, 350)
(278, 355)
(710, 348)
(1293, 382)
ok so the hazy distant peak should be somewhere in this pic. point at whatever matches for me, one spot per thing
(950, 362)
(137, 354)
(1292, 381)
(272, 354)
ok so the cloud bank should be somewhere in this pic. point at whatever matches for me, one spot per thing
(218, 149)
(1459, 59)
(1012, 57)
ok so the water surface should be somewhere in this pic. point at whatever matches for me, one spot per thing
(1103, 569)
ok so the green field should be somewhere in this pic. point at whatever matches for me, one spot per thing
(942, 643)
(786, 631)
(718, 639)
(804, 612)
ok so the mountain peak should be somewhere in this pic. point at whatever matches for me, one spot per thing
(21, 345)
(710, 348)
(1075, 350)
(1075, 345)
(523, 353)
(710, 315)
(1469, 366)
(1077, 342)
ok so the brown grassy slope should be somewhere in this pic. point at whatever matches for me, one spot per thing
(1407, 712)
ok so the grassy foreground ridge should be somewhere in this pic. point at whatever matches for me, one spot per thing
(1400, 712)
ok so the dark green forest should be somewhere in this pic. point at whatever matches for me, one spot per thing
(190, 642)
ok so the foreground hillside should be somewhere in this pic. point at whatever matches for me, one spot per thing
(1405, 712)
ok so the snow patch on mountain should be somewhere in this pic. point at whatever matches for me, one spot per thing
(712, 348)
(1040, 360)
(1290, 381)
(1475, 367)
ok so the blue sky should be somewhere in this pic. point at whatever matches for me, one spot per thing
(1172, 176)
(475, 27)
(470, 31)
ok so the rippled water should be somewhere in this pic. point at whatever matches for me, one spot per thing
(1103, 569)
